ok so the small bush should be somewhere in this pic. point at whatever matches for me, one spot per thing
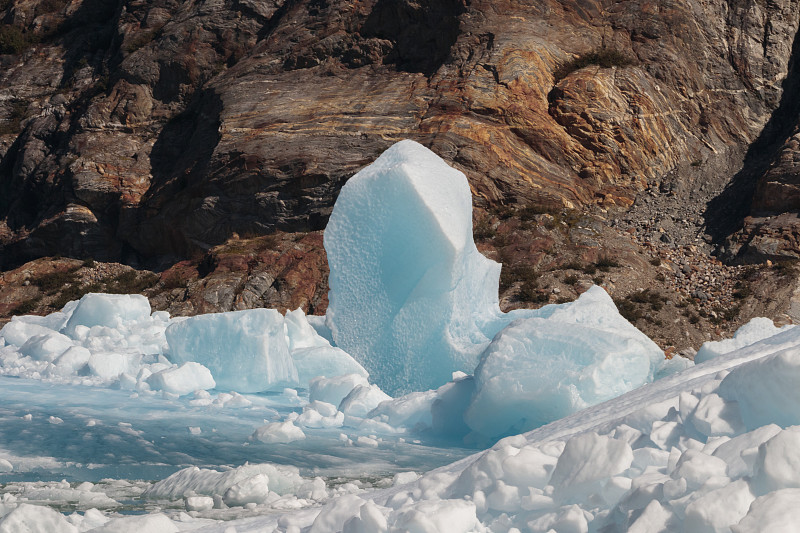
(525, 272)
(529, 292)
(693, 318)
(51, 6)
(12, 40)
(572, 279)
(605, 263)
(88, 263)
(529, 212)
(26, 307)
(13, 123)
(786, 267)
(74, 292)
(655, 261)
(601, 57)
(628, 310)
(742, 290)
(590, 269)
(483, 230)
(50, 283)
(131, 282)
(572, 265)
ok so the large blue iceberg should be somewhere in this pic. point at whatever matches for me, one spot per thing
(411, 297)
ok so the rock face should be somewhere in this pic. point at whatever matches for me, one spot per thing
(144, 132)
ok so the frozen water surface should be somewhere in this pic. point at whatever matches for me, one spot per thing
(105, 433)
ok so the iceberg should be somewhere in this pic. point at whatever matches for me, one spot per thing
(245, 351)
(411, 298)
(560, 360)
(108, 310)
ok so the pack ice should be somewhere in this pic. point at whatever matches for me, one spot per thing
(711, 449)
(115, 340)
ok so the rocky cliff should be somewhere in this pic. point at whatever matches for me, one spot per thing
(150, 131)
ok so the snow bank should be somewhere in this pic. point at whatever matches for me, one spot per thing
(766, 391)
(757, 329)
(411, 297)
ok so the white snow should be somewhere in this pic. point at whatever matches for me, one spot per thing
(757, 329)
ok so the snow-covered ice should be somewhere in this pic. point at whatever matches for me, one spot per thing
(757, 329)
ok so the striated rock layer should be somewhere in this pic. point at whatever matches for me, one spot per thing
(144, 132)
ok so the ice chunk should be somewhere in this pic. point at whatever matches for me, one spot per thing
(254, 489)
(199, 503)
(182, 380)
(46, 347)
(109, 310)
(411, 411)
(109, 366)
(282, 480)
(776, 512)
(411, 297)
(336, 513)
(35, 519)
(300, 334)
(73, 359)
(719, 509)
(757, 329)
(370, 519)
(778, 463)
(566, 358)
(313, 355)
(529, 468)
(320, 415)
(451, 516)
(654, 518)
(363, 399)
(570, 519)
(324, 361)
(447, 410)
(20, 329)
(715, 416)
(279, 433)
(587, 462)
(767, 389)
(740, 452)
(149, 523)
(334, 390)
(697, 467)
(244, 350)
